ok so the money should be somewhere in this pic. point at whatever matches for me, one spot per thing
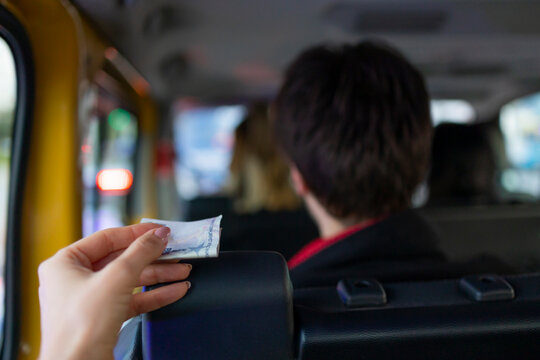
(190, 240)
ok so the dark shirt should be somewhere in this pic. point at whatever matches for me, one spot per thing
(401, 247)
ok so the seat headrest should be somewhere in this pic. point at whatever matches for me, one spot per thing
(239, 307)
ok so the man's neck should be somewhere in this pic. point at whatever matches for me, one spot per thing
(328, 225)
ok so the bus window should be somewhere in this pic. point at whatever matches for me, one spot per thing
(520, 125)
(452, 111)
(204, 138)
(107, 156)
(8, 100)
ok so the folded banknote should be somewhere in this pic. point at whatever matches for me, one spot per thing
(191, 240)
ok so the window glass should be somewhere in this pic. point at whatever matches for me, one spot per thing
(8, 100)
(204, 139)
(107, 156)
(520, 125)
(451, 111)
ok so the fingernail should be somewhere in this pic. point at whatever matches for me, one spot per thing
(162, 233)
(188, 284)
(189, 266)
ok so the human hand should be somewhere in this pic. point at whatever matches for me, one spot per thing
(86, 289)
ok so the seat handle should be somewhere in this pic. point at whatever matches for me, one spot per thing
(487, 287)
(358, 292)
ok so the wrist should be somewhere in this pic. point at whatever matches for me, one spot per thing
(81, 346)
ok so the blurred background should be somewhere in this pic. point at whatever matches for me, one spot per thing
(212, 67)
(160, 109)
(208, 62)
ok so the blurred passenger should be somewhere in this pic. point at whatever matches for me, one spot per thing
(463, 167)
(355, 123)
(259, 177)
(266, 212)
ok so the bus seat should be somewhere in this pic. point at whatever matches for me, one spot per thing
(508, 232)
(205, 207)
(283, 231)
(239, 307)
(422, 320)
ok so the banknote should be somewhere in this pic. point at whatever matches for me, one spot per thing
(191, 239)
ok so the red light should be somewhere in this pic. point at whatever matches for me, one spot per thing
(86, 148)
(114, 179)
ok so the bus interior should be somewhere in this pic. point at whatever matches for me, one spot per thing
(111, 111)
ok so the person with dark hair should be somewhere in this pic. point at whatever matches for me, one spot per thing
(463, 169)
(354, 122)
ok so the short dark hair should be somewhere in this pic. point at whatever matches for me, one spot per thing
(355, 120)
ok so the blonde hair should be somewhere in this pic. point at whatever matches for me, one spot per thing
(259, 174)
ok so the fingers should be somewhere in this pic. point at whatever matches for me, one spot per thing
(97, 246)
(127, 268)
(100, 264)
(160, 273)
(157, 298)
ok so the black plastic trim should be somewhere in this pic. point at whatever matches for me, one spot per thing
(486, 288)
(13, 32)
(360, 292)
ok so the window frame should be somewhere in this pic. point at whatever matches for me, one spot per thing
(14, 33)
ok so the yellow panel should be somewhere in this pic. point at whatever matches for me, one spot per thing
(145, 195)
(61, 41)
(51, 213)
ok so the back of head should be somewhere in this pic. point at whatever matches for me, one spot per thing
(355, 121)
(463, 166)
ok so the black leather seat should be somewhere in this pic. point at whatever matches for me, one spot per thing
(422, 320)
(508, 232)
(241, 307)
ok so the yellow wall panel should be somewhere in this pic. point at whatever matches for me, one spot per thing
(67, 54)
(51, 214)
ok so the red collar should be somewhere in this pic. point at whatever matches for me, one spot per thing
(316, 246)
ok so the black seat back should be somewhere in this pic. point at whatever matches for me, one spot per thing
(509, 232)
(422, 320)
(283, 231)
(239, 307)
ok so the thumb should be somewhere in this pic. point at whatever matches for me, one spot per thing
(141, 253)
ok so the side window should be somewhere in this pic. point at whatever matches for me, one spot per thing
(8, 101)
(107, 155)
(454, 111)
(520, 126)
(204, 139)
(16, 110)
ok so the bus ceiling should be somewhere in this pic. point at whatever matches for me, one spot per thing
(212, 49)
